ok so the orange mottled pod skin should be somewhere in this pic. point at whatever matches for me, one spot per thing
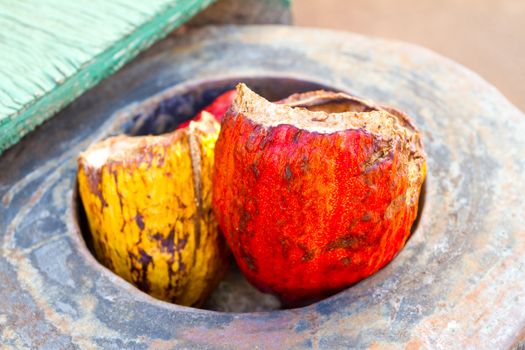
(317, 192)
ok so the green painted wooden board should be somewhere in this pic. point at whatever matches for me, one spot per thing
(53, 50)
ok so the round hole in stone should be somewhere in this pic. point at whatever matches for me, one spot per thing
(162, 113)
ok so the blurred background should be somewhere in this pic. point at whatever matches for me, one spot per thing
(488, 36)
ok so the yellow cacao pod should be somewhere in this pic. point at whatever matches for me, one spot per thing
(148, 204)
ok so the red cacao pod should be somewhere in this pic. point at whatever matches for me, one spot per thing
(217, 108)
(316, 192)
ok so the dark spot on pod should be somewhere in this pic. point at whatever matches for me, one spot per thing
(284, 244)
(366, 217)
(287, 172)
(248, 259)
(180, 203)
(139, 219)
(157, 237)
(182, 265)
(367, 180)
(145, 260)
(160, 159)
(180, 246)
(296, 136)
(168, 243)
(139, 276)
(135, 272)
(243, 220)
(304, 163)
(94, 178)
(251, 139)
(263, 142)
(345, 242)
(346, 260)
(255, 170)
(351, 226)
(308, 254)
(182, 243)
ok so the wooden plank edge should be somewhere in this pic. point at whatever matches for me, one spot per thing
(13, 128)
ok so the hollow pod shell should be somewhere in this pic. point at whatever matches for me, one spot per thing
(315, 192)
(148, 204)
(217, 108)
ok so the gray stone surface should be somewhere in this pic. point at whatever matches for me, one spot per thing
(458, 283)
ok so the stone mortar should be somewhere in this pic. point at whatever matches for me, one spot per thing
(458, 283)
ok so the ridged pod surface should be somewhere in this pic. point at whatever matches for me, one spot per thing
(316, 192)
(148, 204)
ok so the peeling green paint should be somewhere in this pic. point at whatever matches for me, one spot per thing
(53, 50)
